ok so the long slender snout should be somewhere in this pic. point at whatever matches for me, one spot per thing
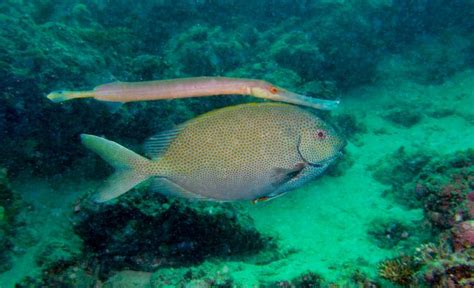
(294, 98)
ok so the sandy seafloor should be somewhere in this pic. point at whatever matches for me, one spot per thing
(322, 226)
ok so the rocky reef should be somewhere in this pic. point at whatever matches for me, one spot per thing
(306, 280)
(9, 207)
(143, 231)
(439, 186)
(443, 188)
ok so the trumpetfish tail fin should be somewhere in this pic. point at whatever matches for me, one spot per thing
(61, 96)
(129, 167)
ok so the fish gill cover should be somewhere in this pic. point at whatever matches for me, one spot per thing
(396, 209)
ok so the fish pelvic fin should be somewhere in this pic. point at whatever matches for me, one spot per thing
(130, 167)
(61, 96)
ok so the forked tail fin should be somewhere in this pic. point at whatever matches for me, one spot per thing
(128, 164)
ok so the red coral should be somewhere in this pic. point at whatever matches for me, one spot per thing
(470, 204)
(463, 235)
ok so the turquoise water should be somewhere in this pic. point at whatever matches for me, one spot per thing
(395, 210)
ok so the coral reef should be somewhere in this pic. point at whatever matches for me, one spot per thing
(360, 279)
(130, 279)
(204, 50)
(398, 270)
(206, 276)
(439, 186)
(69, 277)
(444, 267)
(398, 170)
(55, 257)
(9, 206)
(152, 234)
(388, 233)
(305, 280)
(144, 231)
(299, 52)
(463, 235)
(348, 125)
(442, 188)
(403, 117)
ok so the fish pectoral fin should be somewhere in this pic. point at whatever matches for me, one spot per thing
(167, 187)
(283, 175)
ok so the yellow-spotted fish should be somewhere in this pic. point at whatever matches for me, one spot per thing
(248, 151)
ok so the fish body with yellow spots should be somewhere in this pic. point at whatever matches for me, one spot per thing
(248, 151)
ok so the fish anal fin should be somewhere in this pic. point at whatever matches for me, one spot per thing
(167, 187)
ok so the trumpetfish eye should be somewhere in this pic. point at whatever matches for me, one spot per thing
(273, 90)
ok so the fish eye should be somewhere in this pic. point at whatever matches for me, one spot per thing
(273, 90)
(320, 134)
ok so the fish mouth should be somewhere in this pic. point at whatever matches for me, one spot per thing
(321, 163)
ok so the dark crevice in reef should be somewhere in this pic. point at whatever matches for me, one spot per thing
(147, 233)
(10, 205)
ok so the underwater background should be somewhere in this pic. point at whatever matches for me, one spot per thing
(397, 210)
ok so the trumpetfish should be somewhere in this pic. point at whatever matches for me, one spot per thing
(122, 92)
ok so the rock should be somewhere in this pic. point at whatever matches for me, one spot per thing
(8, 220)
(129, 279)
(144, 231)
(463, 235)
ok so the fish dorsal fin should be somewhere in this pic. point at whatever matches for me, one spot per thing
(157, 144)
(167, 187)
